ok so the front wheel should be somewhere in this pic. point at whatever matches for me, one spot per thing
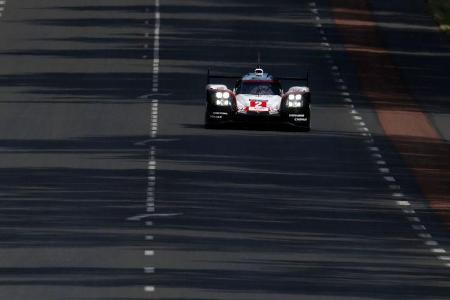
(210, 123)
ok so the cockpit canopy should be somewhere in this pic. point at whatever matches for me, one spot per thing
(258, 83)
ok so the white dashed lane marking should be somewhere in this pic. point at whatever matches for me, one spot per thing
(382, 165)
(431, 243)
(149, 288)
(425, 235)
(2, 7)
(152, 162)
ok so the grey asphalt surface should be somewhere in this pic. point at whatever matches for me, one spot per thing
(251, 213)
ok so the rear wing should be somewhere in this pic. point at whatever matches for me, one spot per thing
(303, 79)
(209, 76)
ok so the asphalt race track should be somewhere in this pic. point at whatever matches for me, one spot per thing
(111, 188)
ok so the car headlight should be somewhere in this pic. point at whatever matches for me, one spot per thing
(294, 101)
(219, 95)
(226, 95)
(222, 102)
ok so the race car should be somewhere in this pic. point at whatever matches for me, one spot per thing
(257, 97)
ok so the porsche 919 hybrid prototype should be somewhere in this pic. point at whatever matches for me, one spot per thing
(257, 97)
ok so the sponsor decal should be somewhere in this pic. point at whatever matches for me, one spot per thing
(300, 119)
(258, 106)
(297, 115)
(220, 113)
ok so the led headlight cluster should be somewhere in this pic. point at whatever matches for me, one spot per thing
(222, 98)
(294, 100)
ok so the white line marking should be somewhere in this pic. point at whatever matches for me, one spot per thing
(419, 227)
(149, 288)
(384, 170)
(409, 211)
(137, 218)
(444, 257)
(403, 203)
(374, 149)
(398, 195)
(395, 187)
(414, 219)
(431, 243)
(438, 250)
(380, 162)
(425, 235)
(389, 179)
(149, 237)
(152, 164)
(140, 217)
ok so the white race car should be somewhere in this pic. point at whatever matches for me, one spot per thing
(257, 97)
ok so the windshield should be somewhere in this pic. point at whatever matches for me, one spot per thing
(259, 88)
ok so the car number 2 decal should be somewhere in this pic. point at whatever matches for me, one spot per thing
(258, 105)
